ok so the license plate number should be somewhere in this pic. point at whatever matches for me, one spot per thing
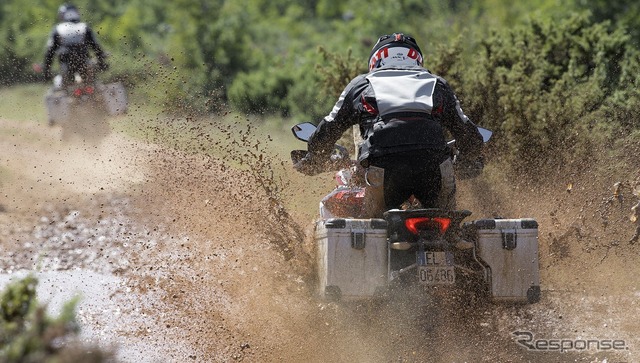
(436, 268)
(436, 275)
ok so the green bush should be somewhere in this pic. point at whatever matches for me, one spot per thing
(545, 87)
(542, 85)
(27, 334)
(261, 92)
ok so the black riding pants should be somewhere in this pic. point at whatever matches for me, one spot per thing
(410, 173)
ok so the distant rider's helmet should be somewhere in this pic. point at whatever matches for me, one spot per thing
(396, 49)
(68, 12)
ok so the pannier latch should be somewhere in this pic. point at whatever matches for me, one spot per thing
(357, 240)
(509, 240)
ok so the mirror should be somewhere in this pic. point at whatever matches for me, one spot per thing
(486, 134)
(303, 131)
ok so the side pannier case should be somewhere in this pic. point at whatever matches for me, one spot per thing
(115, 98)
(509, 250)
(57, 107)
(351, 257)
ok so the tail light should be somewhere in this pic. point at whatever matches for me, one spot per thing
(83, 91)
(415, 225)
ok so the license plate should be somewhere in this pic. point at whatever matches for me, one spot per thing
(436, 268)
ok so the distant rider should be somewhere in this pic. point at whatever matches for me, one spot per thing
(402, 110)
(71, 40)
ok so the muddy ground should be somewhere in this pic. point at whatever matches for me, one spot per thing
(179, 258)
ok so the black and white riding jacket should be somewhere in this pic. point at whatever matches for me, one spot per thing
(397, 110)
(71, 42)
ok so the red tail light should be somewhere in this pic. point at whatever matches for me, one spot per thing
(77, 92)
(88, 90)
(414, 225)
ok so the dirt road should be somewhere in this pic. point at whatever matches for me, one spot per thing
(180, 258)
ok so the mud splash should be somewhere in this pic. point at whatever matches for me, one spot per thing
(196, 263)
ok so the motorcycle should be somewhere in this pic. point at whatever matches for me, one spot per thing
(82, 108)
(363, 251)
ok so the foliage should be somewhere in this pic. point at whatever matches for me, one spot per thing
(27, 334)
(624, 12)
(545, 87)
(336, 71)
(542, 74)
(212, 42)
(259, 93)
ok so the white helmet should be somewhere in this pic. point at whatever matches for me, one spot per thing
(395, 50)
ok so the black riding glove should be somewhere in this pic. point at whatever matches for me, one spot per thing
(308, 165)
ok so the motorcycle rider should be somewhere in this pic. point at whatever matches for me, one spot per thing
(402, 111)
(71, 40)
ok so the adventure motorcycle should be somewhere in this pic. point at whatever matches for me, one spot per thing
(82, 108)
(361, 254)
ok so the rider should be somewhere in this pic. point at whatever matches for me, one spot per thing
(402, 110)
(71, 40)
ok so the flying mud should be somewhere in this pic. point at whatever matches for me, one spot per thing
(182, 257)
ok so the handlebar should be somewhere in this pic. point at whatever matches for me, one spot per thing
(339, 159)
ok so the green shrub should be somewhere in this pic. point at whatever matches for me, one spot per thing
(28, 334)
(546, 86)
(261, 92)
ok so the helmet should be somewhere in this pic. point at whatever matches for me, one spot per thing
(68, 12)
(395, 50)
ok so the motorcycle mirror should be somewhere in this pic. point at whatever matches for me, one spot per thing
(486, 134)
(303, 131)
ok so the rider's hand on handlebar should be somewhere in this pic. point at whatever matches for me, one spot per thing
(308, 165)
(312, 164)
